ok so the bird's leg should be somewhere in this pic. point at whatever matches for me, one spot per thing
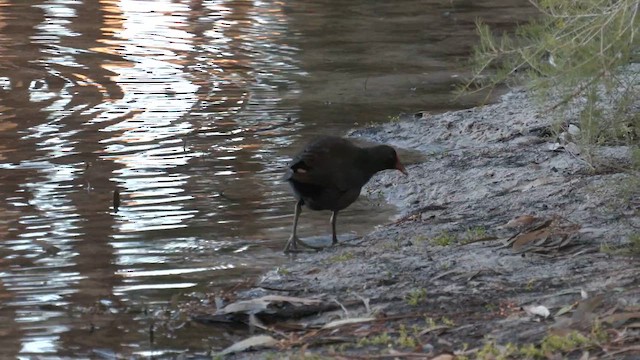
(293, 240)
(292, 244)
(334, 215)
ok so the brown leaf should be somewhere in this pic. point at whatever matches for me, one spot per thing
(524, 239)
(620, 318)
(581, 319)
(585, 310)
(521, 222)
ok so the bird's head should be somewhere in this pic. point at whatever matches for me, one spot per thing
(390, 159)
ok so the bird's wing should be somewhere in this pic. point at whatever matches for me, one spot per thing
(327, 166)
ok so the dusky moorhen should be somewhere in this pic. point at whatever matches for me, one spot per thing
(329, 173)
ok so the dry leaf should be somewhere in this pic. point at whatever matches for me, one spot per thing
(619, 319)
(253, 306)
(583, 294)
(524, 239)
(554, 147)
(444, 357)
(585, 310)
(292, 300)
(250, 343)
(565, 309)
(258, 305)
(520, 222)
(537, 310)
(338, 323)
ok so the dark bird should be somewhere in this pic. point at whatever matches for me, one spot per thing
(329, 173)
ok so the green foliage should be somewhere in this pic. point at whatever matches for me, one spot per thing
(550, 346)
(554, 343)
(381, 339)
(448, 322)
(573, 49)
(444, 239)
(430, 322)
(416, 297)
(406, 340)
(394, 118)
(488, 351)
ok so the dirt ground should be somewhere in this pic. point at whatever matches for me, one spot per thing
(512, 242)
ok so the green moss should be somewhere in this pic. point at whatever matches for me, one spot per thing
(598, 334)
(420, 239)
(394, 118)
(530, 351)
(416, 297)
(555, 343)
(381, 339)
(448, 322)
(473, 234)
(444, 239)
(530, 285)
(488, 352)
(406, 340)
(430, 323)
(345, 256)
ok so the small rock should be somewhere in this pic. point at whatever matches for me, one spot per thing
(574, 131)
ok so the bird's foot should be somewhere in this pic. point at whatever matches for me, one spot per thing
(292, 246)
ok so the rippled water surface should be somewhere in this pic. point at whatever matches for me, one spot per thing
(189, 109)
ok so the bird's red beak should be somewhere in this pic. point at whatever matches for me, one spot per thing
(401, 167)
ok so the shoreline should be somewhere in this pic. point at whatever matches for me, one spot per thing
(499, 215)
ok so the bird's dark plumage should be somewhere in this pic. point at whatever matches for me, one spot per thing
(329, 173)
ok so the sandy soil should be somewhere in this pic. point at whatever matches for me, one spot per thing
(500, 215)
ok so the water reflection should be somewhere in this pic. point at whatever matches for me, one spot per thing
(190, 110)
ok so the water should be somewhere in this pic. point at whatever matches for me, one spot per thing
(190, 109)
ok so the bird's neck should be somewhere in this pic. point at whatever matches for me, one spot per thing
(371, 160)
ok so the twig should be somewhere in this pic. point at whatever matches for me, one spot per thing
(577, 92)
(627, 349)
(407, 355)
(365, 301)
(346, 313)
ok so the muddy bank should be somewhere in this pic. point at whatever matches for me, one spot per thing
(499, 215)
